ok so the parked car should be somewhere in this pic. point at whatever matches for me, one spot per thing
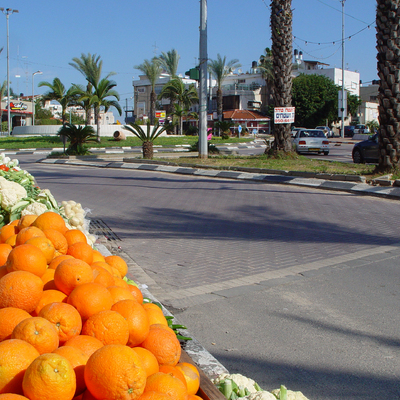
(327, 130)
(361, 129)
(349, 131)
(366, 151)
(311, 141)
(295, 130)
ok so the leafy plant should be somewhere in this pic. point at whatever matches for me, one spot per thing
(147, 137)
(77, 136)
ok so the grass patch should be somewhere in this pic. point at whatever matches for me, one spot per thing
(45, 142)
(292, 163)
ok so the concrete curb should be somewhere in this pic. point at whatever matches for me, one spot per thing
(346, 183)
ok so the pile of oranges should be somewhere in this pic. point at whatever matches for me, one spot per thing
(72, 328)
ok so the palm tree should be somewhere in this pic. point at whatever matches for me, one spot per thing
(281, 27)
(152, 70)
(179, 95)
(99, 99)
(221, 69)
(169, 62)
(147, 137)
(388, 67)
(265, 65)
(77, 136)
(90, 66)
(59, 93)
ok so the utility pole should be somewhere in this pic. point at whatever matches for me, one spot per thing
(344, 103)
(203, 146)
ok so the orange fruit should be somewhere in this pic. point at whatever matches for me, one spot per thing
(108, 326)
(167, 384)
(191, 397)
(26, 221)
(50, 220)
(12, 240)
(58, 240)
(3, 270)
(97, 256)
(74, 236)
(90, 298)
(82, 251)
(169, 369)
(71, 273)
(5, 250)
(15, 357)
(20, 289)
(28, 233)
(78, 360)
(120, 282)
(27, 257)
(102, 276)
(56, 260)
(163, 344)
(155, 314)
(38, 332)
(114, 372)
(12, 396)
(45, 245)
(137, 293)
(6, 232)
(102, 264)
(48, 275)
(148, 360)
(118, 263)
(191, 375)
(118, 293)
(10, 317)
(151, 395)
(87, 344)
(49, 377)
(64, 317)
(48, 297)
(136, 317)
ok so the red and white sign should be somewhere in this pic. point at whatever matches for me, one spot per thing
(284, 115)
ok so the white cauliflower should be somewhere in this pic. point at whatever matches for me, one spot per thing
(10, 193)
(263, 395)
(34, 208)
(290, 395)
(240, 380)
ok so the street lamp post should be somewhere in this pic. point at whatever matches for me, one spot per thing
(7, 12)
(33, 102)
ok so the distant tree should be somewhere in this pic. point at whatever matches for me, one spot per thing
(316, 100)
(265, 65)
(77, 136)
(220, 69)
(169, 62)
(281, 30)
(3, 89)
(152, 69)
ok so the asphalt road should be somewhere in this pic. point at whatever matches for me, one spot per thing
(286, 285)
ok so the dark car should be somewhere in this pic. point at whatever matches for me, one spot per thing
(366, 151)
(349, 131)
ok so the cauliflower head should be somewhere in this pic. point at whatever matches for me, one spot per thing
(10, 193)
(263, 395)
(290, 395)
(34, 208)
(239, 379)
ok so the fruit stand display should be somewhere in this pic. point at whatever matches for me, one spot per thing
(73, 325)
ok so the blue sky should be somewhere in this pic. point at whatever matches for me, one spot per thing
(46, 36)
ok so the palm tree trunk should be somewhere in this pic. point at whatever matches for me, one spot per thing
(153, 99)
(219, 103)
(147, 148)
(97, 121)
(281, 27)
(389, 88)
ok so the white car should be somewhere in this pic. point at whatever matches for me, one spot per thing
(361, 129)
(328, 131)
(311, 141)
